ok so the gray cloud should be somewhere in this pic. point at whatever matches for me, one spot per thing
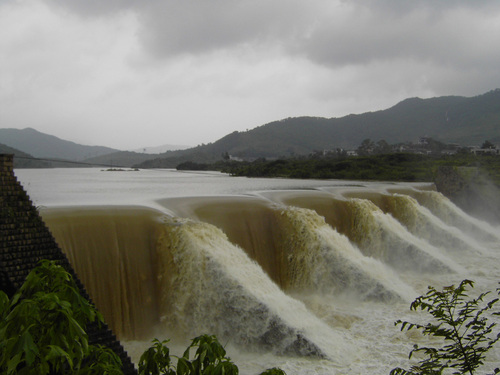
(192, 27)
(94, 8)
(327, 32)
(455, 35)
(207, 68)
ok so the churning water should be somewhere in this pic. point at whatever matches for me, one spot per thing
(309, 276)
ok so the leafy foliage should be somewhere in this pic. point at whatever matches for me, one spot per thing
(379, 167)
(156, 360)
(462, 325)
(42, 328)
(209, 359)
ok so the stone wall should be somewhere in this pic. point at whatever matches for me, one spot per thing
(25, 240)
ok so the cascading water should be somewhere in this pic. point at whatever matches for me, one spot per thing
(420, 221)
(381, 236)
(443, 208)
(111, 250)
(320, 260)
(208, 284)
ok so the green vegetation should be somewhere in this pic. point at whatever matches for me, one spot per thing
(394, 167)
(42, 331)
(460, 324)
(381, 167)
(192, 166)
(209, 359)
(120, 170)
(42, 328)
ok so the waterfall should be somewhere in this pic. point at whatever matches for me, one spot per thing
(443, 208)
(111, 250)
(147, 270)
(320, 260)
(296, 248)
(381, 236)
(208, 284)
(420, 221)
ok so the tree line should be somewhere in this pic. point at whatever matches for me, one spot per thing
(395, 166)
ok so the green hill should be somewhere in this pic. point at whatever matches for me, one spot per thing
(43, 145)
(450, 119)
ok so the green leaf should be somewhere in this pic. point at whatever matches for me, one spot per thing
(41, 326)
(4, 303)
(57, 353)
(184, 366)
(457, 319)
(13, 363)
(29, 347)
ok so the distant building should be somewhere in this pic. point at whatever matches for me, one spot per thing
(423, 141)
(235, 158)
(485, 151)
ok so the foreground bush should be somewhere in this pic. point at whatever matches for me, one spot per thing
(462, 325)
(209, 359)
(42, 328)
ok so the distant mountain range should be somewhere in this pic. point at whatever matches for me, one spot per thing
(29, 143)
(449, 119)
(42, 145)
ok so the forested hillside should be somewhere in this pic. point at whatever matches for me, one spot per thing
(451, 119)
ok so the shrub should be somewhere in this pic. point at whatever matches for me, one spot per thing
(463, 326)
(42, 328)
(209, 359)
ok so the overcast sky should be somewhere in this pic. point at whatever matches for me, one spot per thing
(129, 73)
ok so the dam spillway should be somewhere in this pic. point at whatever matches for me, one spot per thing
(300, 272)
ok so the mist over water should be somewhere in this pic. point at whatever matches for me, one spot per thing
(305, 275)
(443, 208)
(420, 221)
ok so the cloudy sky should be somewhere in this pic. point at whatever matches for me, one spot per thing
(131, 73)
